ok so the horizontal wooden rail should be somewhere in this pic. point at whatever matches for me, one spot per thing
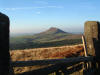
(75, 69)
(53, 68)
(50, 61)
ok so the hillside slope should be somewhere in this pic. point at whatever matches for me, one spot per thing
(50, 35)
(47, 38)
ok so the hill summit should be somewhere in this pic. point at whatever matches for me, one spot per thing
(53, 30)
(51, 34)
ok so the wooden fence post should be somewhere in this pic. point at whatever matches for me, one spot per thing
(85, 46)
(4, 45)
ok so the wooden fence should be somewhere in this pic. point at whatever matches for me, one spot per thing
(60, 66)
(87, 65)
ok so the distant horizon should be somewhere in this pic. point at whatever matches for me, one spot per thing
(43, 31)
(34, 16)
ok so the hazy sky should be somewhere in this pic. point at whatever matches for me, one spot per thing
(38, 15)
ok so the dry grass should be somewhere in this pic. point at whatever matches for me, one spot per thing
(45, 53)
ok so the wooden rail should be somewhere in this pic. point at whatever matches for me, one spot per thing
(51, 61)
(62, 65)
(85, 46)
(55, 69)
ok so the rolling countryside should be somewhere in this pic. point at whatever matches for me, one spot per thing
(50, 38)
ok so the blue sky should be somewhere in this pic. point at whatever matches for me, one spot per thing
(39, 15)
